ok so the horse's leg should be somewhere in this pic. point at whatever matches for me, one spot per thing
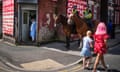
(68, 39)
(80, 41)
(67, 42)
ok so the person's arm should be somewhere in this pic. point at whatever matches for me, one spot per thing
(31, 28)
(89, 16)
(91, 44)
(105, 41)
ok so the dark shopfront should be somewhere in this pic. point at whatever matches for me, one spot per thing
(26, 9)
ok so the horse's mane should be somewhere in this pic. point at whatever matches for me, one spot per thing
(81, 26)
(79, 20)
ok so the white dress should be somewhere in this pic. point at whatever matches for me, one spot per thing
(86, 47)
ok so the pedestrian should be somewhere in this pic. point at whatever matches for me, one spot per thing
(33, 29)
(86, 51)
(109, 28)
(100, 47)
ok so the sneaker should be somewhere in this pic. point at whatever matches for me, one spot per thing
(97, 71)
(107, 68)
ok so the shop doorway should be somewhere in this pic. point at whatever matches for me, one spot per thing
(26, 24)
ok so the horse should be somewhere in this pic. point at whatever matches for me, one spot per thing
(80, 27)
(67, 28)
(80, 21)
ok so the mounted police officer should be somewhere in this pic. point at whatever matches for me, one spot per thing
(75, 11)
(88, 17)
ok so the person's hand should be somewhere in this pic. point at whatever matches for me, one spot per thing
(70, 15)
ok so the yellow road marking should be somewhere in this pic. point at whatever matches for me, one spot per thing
(73, 69)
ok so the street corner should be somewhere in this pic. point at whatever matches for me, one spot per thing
(46, 64)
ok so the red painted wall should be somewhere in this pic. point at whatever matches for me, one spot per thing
(8, 16)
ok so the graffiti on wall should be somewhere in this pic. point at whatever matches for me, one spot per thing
(47, 30)
(8, 17)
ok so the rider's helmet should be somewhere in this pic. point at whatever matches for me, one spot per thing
(74, 6)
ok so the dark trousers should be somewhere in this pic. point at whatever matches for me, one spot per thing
(89, 23)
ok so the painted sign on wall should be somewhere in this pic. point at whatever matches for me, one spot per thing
(8, 16)
(81, 6)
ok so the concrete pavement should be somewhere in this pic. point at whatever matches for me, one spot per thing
(50, 57)
(24, 56)
(112, 59)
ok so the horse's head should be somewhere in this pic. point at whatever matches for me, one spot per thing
(72, 18)
(60, 19)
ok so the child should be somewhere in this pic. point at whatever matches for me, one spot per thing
(85, 52)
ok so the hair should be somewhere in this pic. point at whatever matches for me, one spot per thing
(88, 32)
(33, 17)
(101, 28)
(74, 6)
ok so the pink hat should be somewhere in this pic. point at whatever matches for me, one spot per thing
(101, 28)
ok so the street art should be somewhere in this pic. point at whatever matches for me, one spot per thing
(45, 30)
(8, 17)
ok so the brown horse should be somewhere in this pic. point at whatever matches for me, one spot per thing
(67, 28)
(80, 27)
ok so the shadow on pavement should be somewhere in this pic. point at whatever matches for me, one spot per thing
(114, 50)
(103, 70)
(113, 70)
(109, 70)
(61, 46)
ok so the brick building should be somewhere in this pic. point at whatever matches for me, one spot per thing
(15, 16)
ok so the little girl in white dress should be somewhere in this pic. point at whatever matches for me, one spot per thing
(86, 51)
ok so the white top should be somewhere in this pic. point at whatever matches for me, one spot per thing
(86, 42)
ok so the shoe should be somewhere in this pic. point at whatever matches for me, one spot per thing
(107, 68)
(96, 71)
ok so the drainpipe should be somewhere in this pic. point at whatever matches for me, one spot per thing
(104, 11)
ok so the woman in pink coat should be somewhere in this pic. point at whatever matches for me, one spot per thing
(100, 38)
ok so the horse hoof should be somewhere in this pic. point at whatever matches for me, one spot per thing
(67, 47)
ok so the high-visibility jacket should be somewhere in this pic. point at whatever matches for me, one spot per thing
(74, 12)
(87, 15)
